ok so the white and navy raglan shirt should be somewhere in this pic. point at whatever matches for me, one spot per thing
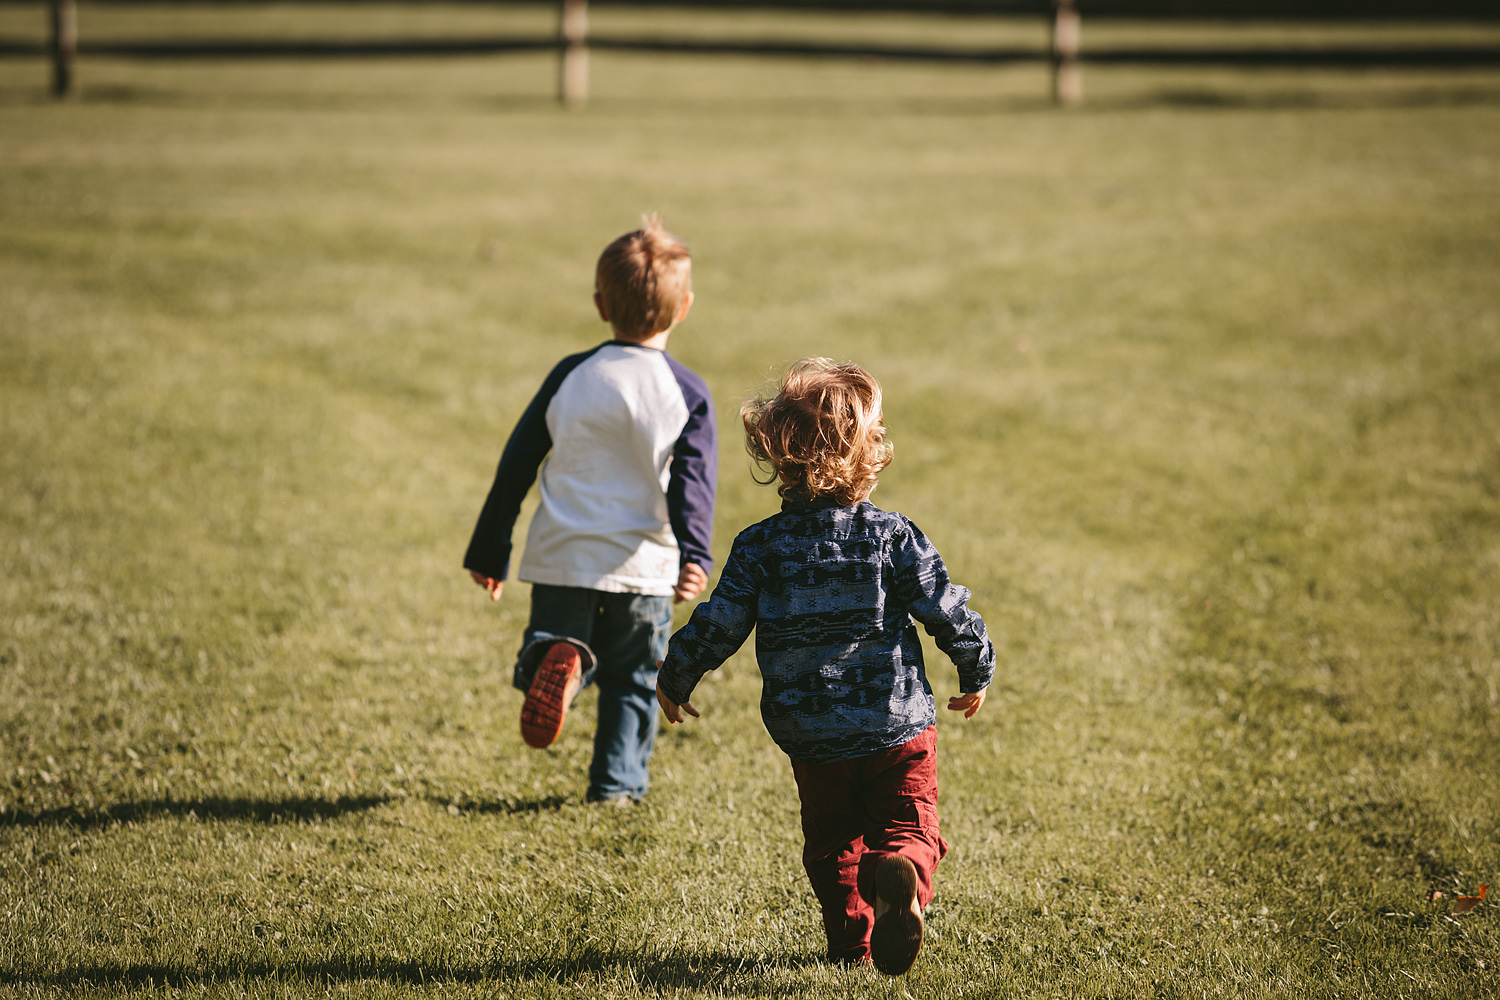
(625, 441)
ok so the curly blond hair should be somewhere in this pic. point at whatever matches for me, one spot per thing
(822, 434)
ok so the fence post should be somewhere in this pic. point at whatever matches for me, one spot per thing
(64, 45)
(573, 31)
(1067, 75)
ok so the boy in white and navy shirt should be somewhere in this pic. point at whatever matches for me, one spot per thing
(624, 438)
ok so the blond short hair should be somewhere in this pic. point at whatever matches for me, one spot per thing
(822, 434)
(643, 278)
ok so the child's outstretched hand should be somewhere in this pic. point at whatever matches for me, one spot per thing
(965, 703)
(488, 583)
(671, 709)
(690, 583)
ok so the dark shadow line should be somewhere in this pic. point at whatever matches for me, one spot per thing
(1220, 98)
(1351, 56)
(681, 971)
(209, 48)
(1209, 97)
(794, 49)
(507, 807)
(1226, 100)
(1396, 57)
(211, 808)
(313, 49)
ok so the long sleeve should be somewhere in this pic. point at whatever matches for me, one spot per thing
(719, 626)
(942, 608)
(694, 472)
(490, 545)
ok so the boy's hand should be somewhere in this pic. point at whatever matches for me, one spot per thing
(690, 583)
(967, 703)
(488, 583)
(671, 709)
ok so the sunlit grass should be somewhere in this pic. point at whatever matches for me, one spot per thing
(1194, 386)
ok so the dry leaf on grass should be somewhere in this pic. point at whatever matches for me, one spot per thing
(1461, 903)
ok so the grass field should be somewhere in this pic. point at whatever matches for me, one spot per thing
(1197, 387)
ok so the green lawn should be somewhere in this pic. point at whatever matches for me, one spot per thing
(1196, 386)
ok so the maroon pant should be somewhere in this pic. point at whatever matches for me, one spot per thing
(856, 812)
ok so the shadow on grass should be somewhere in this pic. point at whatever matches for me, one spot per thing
(287, 810)
(1227, 98)
(1313, 98)
(506, 807)
(1435, 870)
(722, 971)
(160, 97)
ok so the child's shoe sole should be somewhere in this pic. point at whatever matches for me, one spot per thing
(551, 693)
(896, 937)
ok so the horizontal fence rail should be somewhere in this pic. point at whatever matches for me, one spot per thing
(572, 41)
(1431, 56)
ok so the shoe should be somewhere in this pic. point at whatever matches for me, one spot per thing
(551, 692)
(897, 935)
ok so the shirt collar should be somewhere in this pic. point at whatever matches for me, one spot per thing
(821, 503)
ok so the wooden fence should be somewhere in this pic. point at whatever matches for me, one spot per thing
(1064, 54)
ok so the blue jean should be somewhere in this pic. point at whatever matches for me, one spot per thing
(627, 634)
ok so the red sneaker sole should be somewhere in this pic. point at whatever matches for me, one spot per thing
(550, 694)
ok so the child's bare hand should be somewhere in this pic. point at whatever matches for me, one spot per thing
(967, 703)
(671, 709)
(690, 583)
(488, 583)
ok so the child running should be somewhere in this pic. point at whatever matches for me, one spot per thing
(831, 586)
(627, 504)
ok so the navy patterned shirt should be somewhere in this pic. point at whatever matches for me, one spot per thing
(831, 592)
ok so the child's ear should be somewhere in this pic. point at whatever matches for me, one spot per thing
(599, 305)
(687, 304)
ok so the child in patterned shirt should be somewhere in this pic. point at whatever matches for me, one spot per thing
(831, 586)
